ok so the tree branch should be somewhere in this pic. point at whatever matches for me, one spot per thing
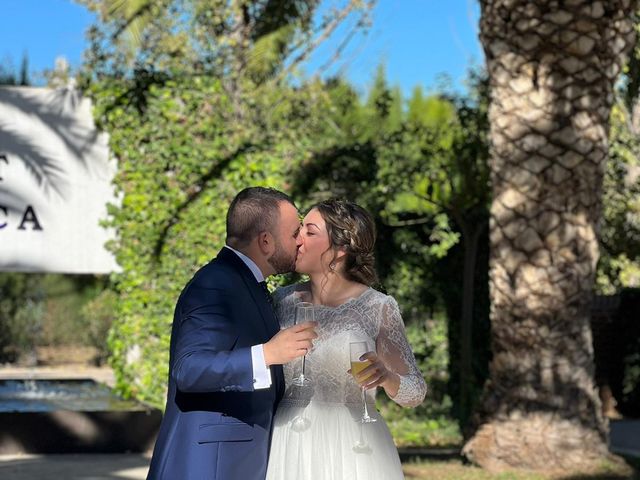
(408, 223)
(432, 202)
(194, 193)
(341, 47)
(328, 29)
(116, 10)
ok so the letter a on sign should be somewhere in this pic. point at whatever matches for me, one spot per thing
(29, 217)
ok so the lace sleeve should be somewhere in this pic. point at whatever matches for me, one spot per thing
(394, 350)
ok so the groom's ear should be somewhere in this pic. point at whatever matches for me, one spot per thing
(266, 243)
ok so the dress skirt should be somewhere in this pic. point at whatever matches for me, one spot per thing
(327, 441)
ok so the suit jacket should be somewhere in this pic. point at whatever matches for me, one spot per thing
(216, 426)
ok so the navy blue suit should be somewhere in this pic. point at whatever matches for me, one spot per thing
(216, 426)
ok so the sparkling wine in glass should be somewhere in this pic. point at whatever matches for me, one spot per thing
(304, 313)
(356, 350)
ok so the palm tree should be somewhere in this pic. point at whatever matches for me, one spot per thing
(552, 67)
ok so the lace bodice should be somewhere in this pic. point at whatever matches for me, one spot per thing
(372, 317)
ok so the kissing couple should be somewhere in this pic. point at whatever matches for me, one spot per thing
(283, 387)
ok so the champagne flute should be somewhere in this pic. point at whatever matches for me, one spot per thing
(356, 350)
(304, 313)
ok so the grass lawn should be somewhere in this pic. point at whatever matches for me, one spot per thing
(455, 470)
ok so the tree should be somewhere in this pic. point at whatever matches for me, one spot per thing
(619, 264)
(616, 347)
(436, 174)
(9, 77)
(552, 67)
(246, 42)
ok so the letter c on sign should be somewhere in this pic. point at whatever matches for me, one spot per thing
(3, 210)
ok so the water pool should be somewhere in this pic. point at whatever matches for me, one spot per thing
(50, 395)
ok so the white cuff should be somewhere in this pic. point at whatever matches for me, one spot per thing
(261, 373)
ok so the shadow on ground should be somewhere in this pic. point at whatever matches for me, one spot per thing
(447, 464)
(616, 473)
(75, 467)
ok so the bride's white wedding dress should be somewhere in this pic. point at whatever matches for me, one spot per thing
(317, 430)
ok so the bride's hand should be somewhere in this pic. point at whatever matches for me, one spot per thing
(377, 374)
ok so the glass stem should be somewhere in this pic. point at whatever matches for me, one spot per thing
(303, 362)
(364, 404)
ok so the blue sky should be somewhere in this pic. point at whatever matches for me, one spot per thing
(418, 40)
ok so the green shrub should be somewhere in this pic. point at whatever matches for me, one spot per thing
(430, 423)
(99, 314)
(21, 314)
(52, 310)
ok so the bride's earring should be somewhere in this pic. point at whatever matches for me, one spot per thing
(332, 266)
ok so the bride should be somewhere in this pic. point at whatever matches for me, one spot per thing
(318, 430)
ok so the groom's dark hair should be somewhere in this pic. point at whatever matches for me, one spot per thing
(253, 210)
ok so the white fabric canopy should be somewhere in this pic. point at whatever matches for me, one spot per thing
(55, 183)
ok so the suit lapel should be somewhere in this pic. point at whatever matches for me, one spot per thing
(266, 311)
(269, 321)
(268, 317)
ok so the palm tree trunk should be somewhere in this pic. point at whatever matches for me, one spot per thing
(552, 66)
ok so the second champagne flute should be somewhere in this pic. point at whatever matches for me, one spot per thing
(356, 350)
(304, 313)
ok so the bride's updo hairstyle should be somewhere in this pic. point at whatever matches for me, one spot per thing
(351, 227)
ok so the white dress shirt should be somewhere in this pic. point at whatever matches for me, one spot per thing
(261, 373)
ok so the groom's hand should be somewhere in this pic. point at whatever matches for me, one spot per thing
(290, 343)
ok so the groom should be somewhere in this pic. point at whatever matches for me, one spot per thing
(226, 353)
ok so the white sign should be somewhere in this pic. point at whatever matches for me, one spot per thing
(55, 183)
